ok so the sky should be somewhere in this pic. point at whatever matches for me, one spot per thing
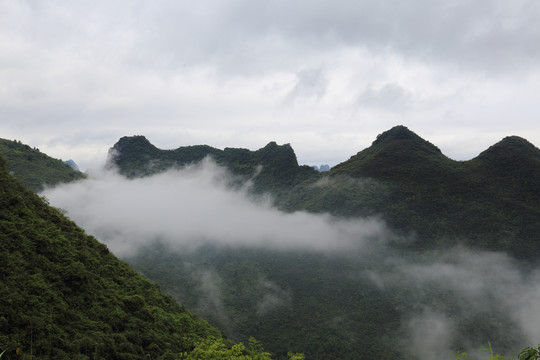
(325, 76)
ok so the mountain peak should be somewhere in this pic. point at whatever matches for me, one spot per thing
(401, 133)
(396, 154)
(397, 132)
(277, 155)
(133, 142)
(511, 154)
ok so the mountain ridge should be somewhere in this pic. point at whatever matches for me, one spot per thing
(275, 165)
(490, 201)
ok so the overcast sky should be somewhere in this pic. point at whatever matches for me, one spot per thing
(324, 76)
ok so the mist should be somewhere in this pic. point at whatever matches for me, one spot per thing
(195, 206)
(462, 291)
(456, 299)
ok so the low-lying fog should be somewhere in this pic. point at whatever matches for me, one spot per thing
(193, 206)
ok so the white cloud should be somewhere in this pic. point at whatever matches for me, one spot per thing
(192, 207)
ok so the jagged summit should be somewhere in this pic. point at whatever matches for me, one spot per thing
(278, 154)
(131, 143)
(136, 156)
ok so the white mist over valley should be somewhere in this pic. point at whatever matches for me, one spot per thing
(438, 295)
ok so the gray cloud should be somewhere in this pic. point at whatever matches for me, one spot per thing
(481, 35)
(212, 72)
(310, 83)
(391, 97)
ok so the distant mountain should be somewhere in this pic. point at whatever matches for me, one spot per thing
(275, 165)
(492, 201)
(34, 168)
(72, 164)
(322, 168)
(65, 296)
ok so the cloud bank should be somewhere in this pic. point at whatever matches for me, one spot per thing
(194, 206)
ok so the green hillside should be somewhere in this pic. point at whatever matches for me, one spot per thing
(34, 168)
(65, 296)
(491, 202)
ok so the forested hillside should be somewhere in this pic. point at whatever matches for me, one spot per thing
(491, 202)
(65, 296)
(34, 168)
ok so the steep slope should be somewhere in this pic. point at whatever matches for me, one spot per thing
(65, 296)
(34, 168)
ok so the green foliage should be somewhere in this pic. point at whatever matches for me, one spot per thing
(34, 168)
(530, 353)
(489, 350)
(65, 296)
(302, 302)
(490, 202)
(212, 349)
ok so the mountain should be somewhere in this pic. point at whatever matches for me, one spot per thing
(65, 296)
(381, 301)
(72, 164)
(491, 202)
(397, 154)
(34, 168)
(275, 165)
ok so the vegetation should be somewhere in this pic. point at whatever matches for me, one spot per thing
(34, 168)
(490, 202)
(217, 349)
(529, 353)
(65, 296)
